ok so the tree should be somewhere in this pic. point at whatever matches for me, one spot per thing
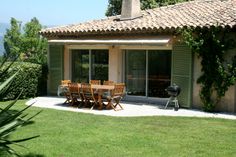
(12, 38)
(114, 6)
(27, 44)
(34, 46)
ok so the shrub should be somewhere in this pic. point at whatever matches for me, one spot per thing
(10, 120)
(26, 81)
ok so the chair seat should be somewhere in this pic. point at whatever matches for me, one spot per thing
(115, 97)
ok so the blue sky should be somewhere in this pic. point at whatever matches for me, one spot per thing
(53, 12)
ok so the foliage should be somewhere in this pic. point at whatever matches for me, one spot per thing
(12, 39)
(27, 44)
(34, 46)
(27, 80)
(11, 120)
(218, 75)
(114, 6)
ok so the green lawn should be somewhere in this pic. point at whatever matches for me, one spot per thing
(69, 134)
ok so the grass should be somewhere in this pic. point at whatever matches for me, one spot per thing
(69, 134)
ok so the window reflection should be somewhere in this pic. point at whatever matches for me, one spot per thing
(81, 64)
(153, 77)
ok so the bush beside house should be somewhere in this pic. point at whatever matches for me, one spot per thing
(27, 80)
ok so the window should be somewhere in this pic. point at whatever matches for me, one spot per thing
(89, 64)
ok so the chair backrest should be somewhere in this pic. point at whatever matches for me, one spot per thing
(95, 82)
(65, 82)
(118, 89)
(108, 82)
(87, 91)
(73, 88)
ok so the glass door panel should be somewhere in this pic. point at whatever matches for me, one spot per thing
(80, 65)
(99, 64)
(135, 72)
(159, 72)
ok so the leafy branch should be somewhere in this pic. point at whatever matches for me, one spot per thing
(218, 75)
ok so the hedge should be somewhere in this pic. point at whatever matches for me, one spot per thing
(27, 80)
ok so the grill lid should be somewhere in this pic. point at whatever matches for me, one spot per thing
(173, 90)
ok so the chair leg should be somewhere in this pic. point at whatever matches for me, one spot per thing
(114, 107)
(92, 107)
(109, 104)
(74, 100)
(94, 104)
(118, 103)
(81, 103)
(68, 99)
(86, 101)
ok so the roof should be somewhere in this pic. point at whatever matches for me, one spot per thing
(198, 13)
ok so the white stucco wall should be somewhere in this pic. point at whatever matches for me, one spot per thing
(115, 64)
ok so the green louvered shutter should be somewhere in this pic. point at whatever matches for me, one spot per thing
(182, 73)
(56, 65)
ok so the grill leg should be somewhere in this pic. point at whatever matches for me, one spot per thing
(176, 105)
(167, 103)
(173, 100)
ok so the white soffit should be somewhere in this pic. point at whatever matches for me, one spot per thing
(159, 41)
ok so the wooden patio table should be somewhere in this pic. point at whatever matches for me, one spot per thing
(100, 90)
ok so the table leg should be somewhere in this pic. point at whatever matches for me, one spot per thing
(100, 107)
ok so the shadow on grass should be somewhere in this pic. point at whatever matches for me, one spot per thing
(5, 154)
(33, 155)
(13, 112)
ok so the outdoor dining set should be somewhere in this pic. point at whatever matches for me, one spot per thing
(93, 94)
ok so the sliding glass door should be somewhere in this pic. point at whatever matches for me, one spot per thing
(147, 72)
(89, 64)
(159, 72)
(136, 72)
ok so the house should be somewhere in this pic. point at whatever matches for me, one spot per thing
(140, 48)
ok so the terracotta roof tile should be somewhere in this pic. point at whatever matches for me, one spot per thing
(198, 13)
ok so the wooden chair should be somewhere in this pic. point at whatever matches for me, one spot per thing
(74, 91)
(95, 82)
(116, 95)
(107, 93)
(65, 82)
(88, 95)
(64, 85)
(108, 82)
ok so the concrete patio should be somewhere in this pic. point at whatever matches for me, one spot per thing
(130, 109)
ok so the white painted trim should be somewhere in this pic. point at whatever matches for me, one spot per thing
(146, 47)
(88, 47)
(152, 41)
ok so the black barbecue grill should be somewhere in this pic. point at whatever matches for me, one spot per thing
(173, 91)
